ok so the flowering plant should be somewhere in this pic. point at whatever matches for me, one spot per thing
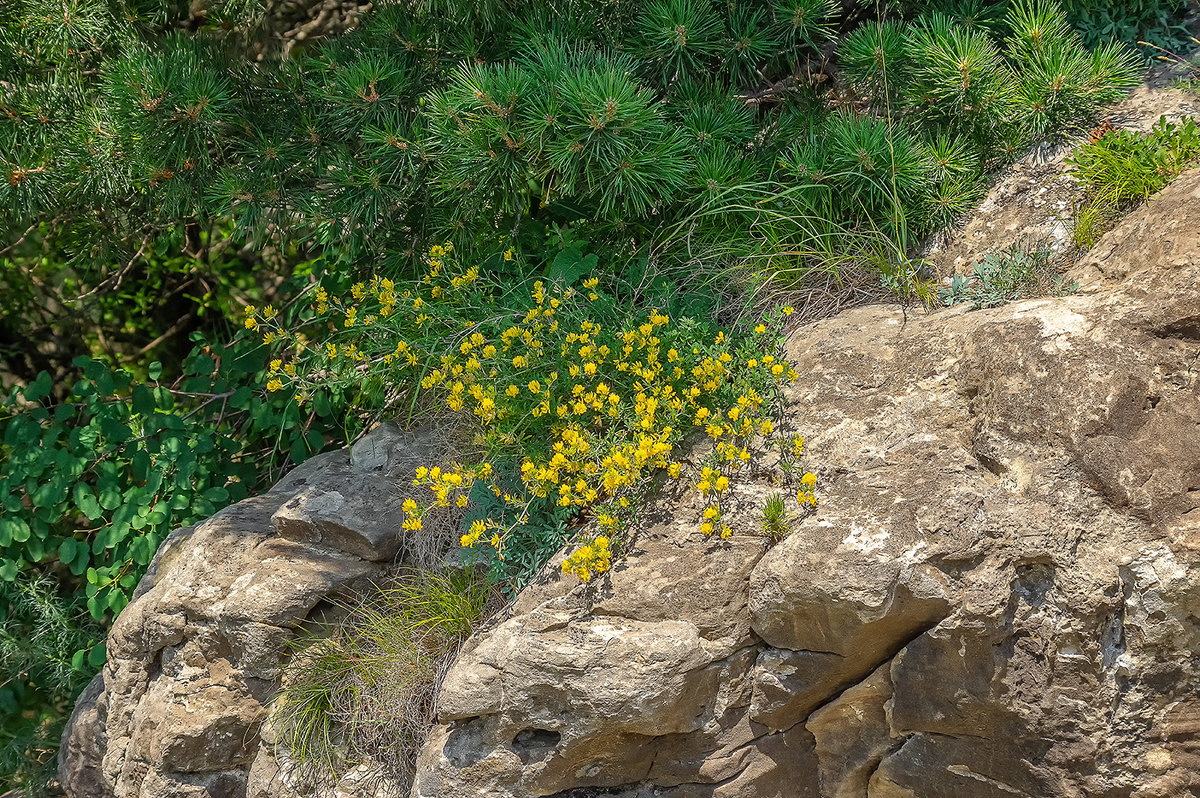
(576, 401)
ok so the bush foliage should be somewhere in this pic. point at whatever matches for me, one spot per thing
(466, 122)
(1120, 168)
(575, 397)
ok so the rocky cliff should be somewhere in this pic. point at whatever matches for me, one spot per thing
(998, 596)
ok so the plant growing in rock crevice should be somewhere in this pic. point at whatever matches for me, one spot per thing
(363, 691)
(578, 403)
(1120, 168)
(1023, 269)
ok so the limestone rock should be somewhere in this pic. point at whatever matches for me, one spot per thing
(196, 656)
(997, 596)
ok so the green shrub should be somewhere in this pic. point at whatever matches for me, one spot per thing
(40, 629)
(1158, 22)
(90, 484)
(658, 126)
(1023, 269)
(995, 94)
(1120, 168)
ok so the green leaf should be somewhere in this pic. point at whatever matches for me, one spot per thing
(49, 494)
(39, 389)
(19, 530)
(154, 371)
(85, 500)
(571, 264)
(97, 655)
(141, 466)
(67, 550)
(8, 570)
(321, 405)
(116, 600)
(143, 400)
(101, 376)
(114, 430)
(216, 495)
(110, 497)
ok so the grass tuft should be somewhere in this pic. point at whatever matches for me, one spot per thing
(364, 692)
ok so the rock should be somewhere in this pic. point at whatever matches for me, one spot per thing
(196, 657)
(83, 742)
(997, 596)
(356, 506)
(852, 734)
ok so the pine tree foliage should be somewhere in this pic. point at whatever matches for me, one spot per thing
(121, 127)
(38, 630)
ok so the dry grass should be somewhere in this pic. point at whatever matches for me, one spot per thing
(364, 693)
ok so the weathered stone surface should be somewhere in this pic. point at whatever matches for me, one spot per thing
(83, 742)
(356, 506)
(852, 734)
(998, 595)
(196, 657)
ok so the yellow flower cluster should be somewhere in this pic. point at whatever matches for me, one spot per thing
(807, 494)
(589, 560)
(575, 408)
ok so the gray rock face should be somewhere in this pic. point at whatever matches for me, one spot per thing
(196, 657)
(998, 596)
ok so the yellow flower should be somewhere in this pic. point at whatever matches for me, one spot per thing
(276, 365)
(269, 338)
(508, 253)
(674, 470)
(760, 329)
(788, 310)
(809, 479)
(274, 385)
(512, 390)
(722, 483)
(475, 531)
(535, 387)
(461, 501)
(409, 507)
